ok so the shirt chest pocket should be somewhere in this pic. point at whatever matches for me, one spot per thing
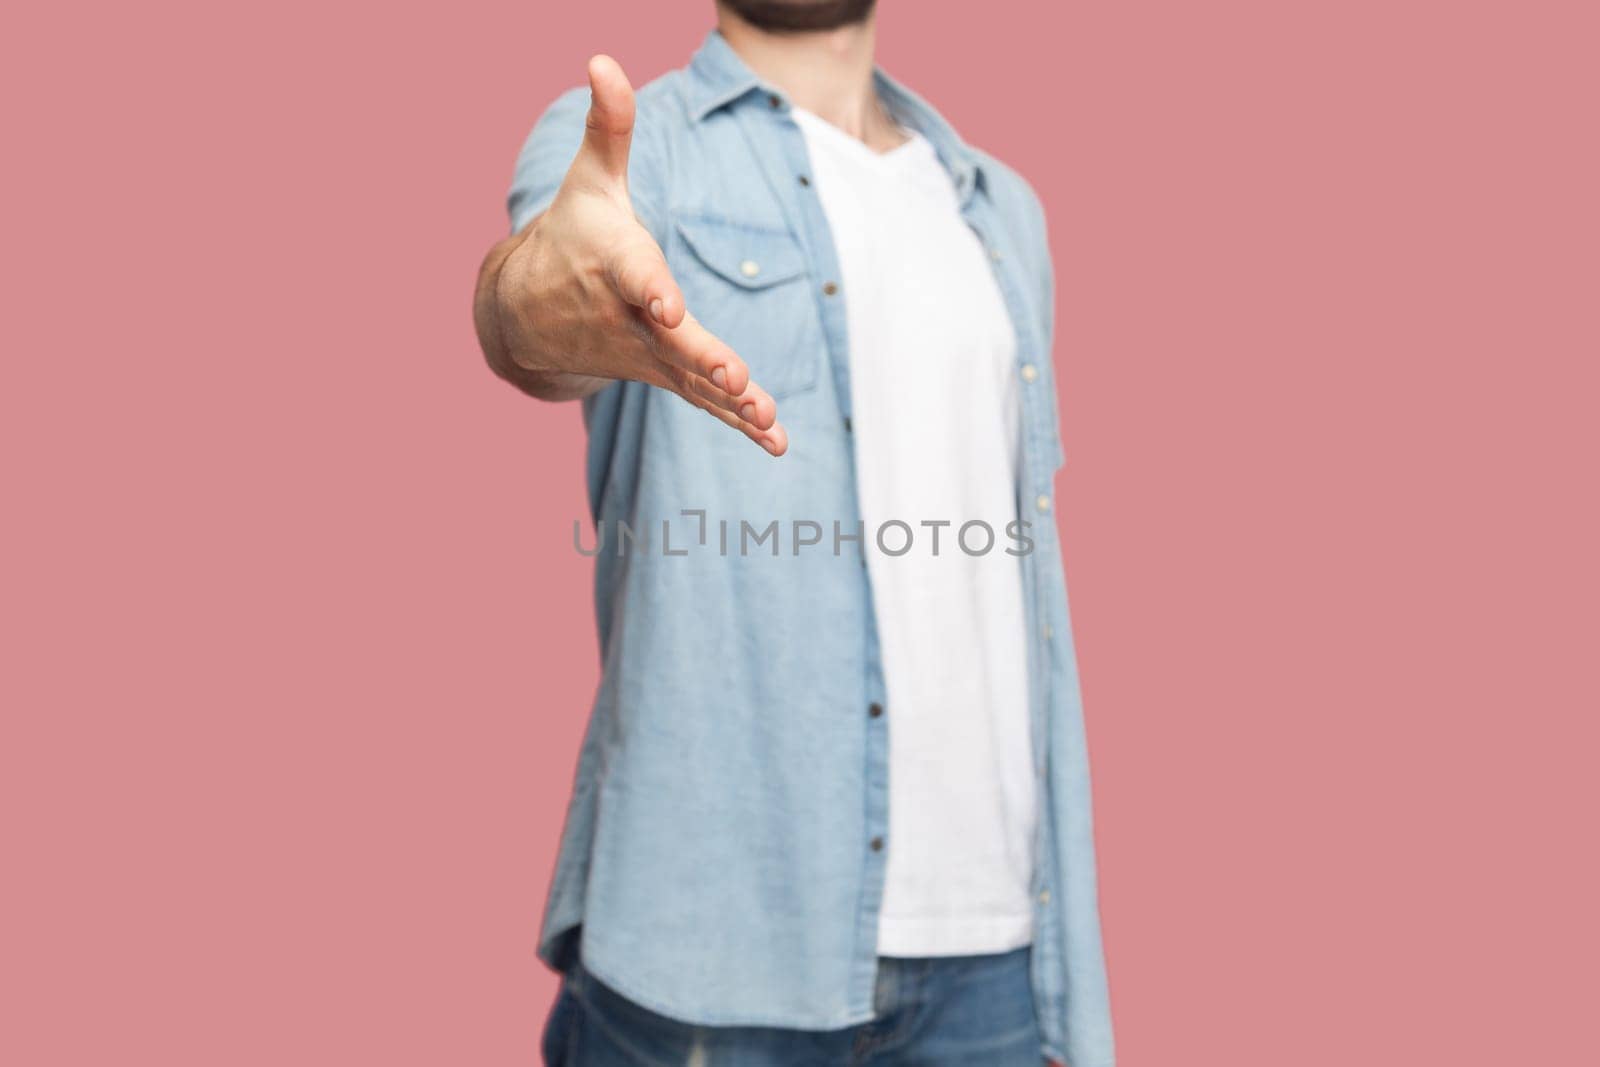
(746, 284)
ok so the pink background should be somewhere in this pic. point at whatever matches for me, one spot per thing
(296, 652)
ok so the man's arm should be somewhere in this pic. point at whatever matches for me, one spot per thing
(582, 295)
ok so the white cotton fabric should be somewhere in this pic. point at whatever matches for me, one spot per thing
(934, 396)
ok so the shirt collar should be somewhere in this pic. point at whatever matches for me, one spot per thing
(719, 78)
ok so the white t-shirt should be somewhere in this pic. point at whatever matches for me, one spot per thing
(935, 413)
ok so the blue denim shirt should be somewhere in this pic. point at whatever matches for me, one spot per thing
(724, 850)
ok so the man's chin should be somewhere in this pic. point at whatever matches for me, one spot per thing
(799, 16)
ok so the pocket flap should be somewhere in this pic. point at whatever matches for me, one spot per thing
(747, 257)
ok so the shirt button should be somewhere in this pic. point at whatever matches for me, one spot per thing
(1048, 632)
(1029, 372)
(749, 268)
(877, 844)
(829, 288)
(1043, 503)
(994, 254)
(774, 101)
(1044, 896)
(876, 711)
(804, 180)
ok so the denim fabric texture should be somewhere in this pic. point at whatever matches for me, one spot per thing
(960, 1011)
(723, 856)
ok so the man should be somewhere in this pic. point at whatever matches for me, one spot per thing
(833, 802)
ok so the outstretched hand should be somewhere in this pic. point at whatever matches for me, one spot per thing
(583, 294)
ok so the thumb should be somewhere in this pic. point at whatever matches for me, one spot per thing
(608, 131)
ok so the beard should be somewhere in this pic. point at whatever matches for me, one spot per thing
(800, 15)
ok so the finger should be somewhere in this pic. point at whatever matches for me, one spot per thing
(757, 407)
(754, 406)
(774, 439)
(696, 349)
(761, 417)
(640, 275)
(608, 131)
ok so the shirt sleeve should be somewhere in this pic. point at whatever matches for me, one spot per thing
(1046, 268)
(549, 150)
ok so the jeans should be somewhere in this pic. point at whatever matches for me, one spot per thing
(945, 1012)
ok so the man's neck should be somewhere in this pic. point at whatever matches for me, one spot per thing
(827, 72)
